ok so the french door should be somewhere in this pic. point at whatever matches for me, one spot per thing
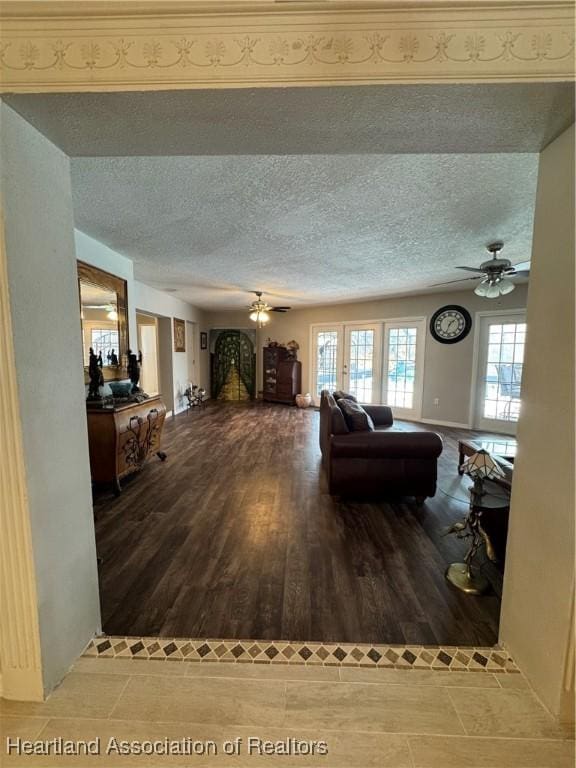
(403, 367)
(500, 367)
(348, 357)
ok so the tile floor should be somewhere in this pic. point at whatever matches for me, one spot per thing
(401, 718)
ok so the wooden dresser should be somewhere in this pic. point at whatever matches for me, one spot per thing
(122, 437)
(282, 375)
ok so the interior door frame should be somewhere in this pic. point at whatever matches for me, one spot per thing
(474, 384)
(414, 413)
(139, 337)
(192, 351)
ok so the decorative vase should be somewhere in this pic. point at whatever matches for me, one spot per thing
(304, 401)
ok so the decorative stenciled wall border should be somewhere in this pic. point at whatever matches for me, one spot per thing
(443, 658)
(399, 42)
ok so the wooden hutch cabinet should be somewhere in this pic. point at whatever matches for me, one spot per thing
(282, 375)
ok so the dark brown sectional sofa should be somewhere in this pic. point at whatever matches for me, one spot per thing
(387, 462)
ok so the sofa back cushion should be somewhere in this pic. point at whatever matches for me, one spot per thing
(332, 421)
(355, 416)
(340, 395)
(338, 424)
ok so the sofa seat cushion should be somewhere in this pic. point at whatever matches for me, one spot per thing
(404, 427)
(356, 417)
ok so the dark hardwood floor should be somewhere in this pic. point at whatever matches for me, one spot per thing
(235, 536)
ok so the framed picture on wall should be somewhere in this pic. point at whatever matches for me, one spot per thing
(179, 335)
(203, 340)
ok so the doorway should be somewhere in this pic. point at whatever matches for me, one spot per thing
(147, 327)
(500, 362)
(192, 345)
(347, 356)
(404, 367)
(233, 364)
(380, 362)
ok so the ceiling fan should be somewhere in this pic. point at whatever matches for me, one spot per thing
(110, 309)
(494, 274)
(260, 309)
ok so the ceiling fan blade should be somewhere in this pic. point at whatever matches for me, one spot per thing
(462, 280)
(472, 269)
(520, 273)
(280, 309)
(522, 266)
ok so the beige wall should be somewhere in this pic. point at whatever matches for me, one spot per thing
(447, 367)
(42, 277)
(539, 586)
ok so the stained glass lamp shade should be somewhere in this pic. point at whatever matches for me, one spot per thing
(481, 466)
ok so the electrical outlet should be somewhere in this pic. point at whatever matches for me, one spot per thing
(436, 401)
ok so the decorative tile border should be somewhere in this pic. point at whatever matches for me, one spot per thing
(443, 658)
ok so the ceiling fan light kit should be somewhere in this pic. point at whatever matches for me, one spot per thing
(491, 289)
(494, 273)
(260, 316)
(260, 310)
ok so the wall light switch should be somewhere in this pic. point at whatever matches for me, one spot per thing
(436, 401)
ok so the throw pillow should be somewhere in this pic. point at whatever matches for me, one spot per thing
(340, 395)
(356, 417)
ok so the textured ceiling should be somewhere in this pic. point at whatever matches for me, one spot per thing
(312, 195)
(308, 229)
(92, 294)
(276, 121)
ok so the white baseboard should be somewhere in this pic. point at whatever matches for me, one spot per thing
(438, 422)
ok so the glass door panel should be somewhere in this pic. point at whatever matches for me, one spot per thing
(501, 360)
(362, 367)
(328, 356)
(403, 364)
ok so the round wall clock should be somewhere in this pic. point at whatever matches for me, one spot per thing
(450, 324)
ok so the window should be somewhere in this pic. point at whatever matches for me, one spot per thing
(361, 373)
(401, 374)
(103, 341)
(326, 360)
(503, 371)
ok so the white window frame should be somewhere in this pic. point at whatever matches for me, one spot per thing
(314, 330)
(376, 357)
(508, 427)
(414, 413)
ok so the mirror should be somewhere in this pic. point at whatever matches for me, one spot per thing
(104, 318)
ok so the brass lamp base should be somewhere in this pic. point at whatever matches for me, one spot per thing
(466, 579)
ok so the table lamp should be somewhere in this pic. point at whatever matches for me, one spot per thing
(481, 466)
